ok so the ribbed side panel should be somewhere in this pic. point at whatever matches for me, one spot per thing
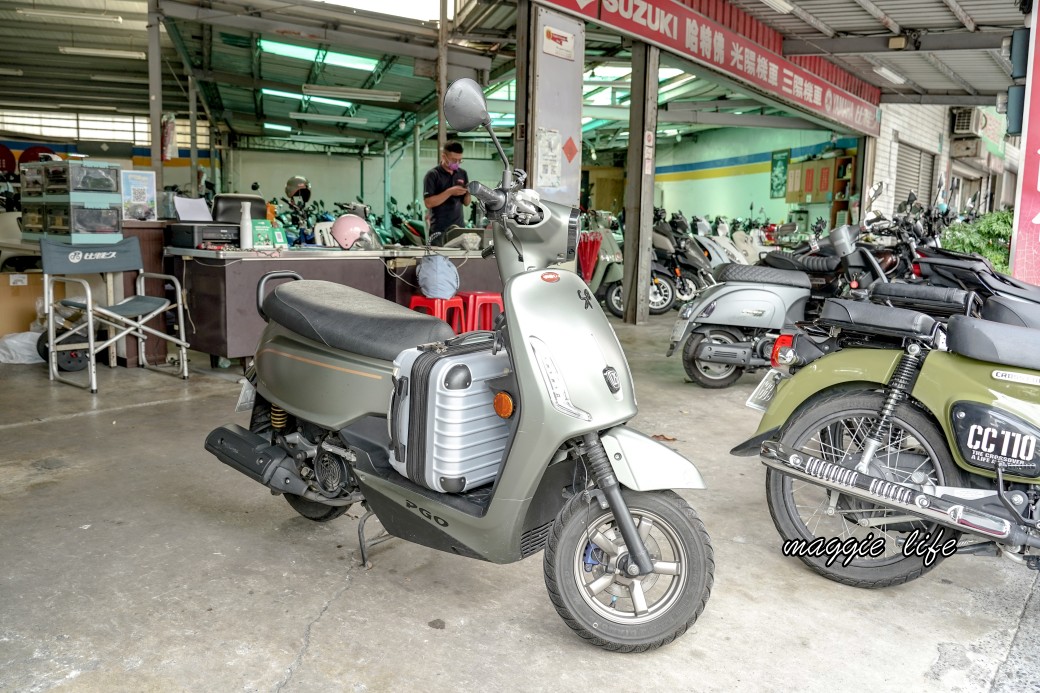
(533, 540)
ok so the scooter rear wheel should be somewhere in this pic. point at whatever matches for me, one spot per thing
(713, 376)
(604, 606)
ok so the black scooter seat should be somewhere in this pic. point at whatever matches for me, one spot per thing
(1008, 345)
(350, 319)
(871, 318)
(757, 274)
(813, 264)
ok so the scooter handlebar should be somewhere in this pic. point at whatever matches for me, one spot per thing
(493, 200)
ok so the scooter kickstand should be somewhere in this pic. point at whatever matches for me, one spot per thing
(367, 544)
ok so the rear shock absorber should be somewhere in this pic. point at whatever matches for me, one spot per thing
(278, 417)
(898, 387)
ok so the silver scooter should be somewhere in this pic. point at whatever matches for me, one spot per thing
(490, 445)
(730, 328)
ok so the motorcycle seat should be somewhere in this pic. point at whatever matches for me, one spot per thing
(1012, 312)
(814, 264)
(758, 274)
(934, 300)
(1008, 345)
(871, 318)
(350, 319)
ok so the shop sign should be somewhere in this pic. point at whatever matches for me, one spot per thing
(558, 43)
(1025, 239)
(680, 30)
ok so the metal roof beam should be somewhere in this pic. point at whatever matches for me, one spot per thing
(932, 43)
(962, 14)
(940, 99)
(250, 120)
(812, 21)
(334, 37)
(949, 73)
(879, 14)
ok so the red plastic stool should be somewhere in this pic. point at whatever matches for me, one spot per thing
(480, 308)
(442, 308)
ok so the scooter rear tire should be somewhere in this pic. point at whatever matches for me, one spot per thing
(579, 565)
(713, 376)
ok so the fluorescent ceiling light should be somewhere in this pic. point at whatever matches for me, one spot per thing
(12, 71)
(119, 79)
(300, 97)
(781, 6)
(26, 106)
(81, 107)
(349, 93)
(276, 126)
(103, 52)
(66, 14)
(318, 118)
(288, 50)
(893, 77)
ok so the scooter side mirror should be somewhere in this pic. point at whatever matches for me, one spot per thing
(911, 198)
(875, 191)
(464, 106)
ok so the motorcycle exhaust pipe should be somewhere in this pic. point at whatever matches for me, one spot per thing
(246, 452)
(895, 496)
(730, 354)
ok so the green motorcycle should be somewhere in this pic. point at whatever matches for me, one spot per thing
(899, 441)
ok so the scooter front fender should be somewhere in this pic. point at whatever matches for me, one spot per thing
(642, 464)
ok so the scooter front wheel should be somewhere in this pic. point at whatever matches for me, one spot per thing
(584, 559)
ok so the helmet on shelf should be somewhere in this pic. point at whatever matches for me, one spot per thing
(348, 229)
(297, 186)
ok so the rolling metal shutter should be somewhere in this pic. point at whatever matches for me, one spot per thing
(914, 171)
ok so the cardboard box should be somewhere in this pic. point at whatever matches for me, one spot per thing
(18, 294)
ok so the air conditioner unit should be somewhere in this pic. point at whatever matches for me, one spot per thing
(968, 121)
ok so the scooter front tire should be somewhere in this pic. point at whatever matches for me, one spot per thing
(597, 600)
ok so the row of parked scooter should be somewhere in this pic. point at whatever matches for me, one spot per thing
(730, 328)
(686, 252)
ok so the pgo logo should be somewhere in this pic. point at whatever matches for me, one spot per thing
(75, 256)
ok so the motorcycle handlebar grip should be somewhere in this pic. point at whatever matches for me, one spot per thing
(493, 200)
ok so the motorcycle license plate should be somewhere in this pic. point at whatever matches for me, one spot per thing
(246, 396)
(763, 394)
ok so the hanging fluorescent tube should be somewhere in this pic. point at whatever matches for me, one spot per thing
(781, 6)
(277, 126)
(349, 93)
(82, 107)
(12, 71)
(893, 77)
(103, 52)
(119, 79)
(318, 118)
(66, 14)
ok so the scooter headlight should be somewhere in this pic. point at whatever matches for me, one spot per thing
(554, 382)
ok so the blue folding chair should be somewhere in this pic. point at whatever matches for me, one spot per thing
(123, 319)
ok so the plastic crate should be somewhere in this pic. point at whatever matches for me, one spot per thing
(33, 218)
(33, 179)
(86, 176)
(57, 220)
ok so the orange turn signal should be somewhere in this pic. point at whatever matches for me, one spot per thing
(504, 405)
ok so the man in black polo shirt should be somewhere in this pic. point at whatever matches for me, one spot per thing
(445, 193)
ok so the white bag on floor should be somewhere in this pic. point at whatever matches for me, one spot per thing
(19, 347)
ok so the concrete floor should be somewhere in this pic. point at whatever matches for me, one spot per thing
(132, 560)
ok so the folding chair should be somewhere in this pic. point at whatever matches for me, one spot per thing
(126, 318)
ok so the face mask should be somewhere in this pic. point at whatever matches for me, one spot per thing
(452, 166)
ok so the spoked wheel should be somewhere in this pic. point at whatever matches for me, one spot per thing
(260, 423)
(913, 452)
(593, 595)
(662, 294)
(710, 375)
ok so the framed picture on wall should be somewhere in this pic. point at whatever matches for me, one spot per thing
(778, 173)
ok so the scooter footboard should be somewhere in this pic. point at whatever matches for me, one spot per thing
(642, 464)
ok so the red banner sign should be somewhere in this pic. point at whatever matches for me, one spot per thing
(680, 30)
(1025, 240)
